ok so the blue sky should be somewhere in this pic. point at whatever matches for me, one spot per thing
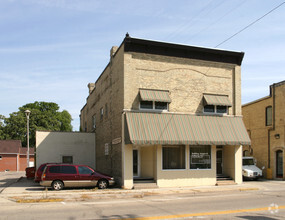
(51, 49)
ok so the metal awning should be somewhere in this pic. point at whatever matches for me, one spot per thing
(155, 95)
(172, 129)
(217, 100)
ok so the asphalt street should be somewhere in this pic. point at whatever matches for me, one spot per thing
(251, 200)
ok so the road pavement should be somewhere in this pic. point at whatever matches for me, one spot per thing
(250, 200)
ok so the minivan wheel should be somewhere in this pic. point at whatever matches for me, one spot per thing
(102, 184)
(57, 185)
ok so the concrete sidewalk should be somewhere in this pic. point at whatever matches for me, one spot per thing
(25, 190)
(8, 178)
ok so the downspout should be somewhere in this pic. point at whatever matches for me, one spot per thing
(123, 148)
(234, 91)
(271, 129)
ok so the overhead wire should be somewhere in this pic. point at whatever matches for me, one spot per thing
(192, 20)
(216, 21)
(252, 23)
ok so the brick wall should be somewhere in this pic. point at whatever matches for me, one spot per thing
(186, 80)
(254, 115)
(8, 162)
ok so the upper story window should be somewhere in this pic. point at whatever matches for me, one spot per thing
(101, 113)
(151, 105)
(216, 109)
(268, 120)
(146, 105)
(216, 104)
(157, 100)
(94, 121)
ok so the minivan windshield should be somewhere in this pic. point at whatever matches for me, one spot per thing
(247, 162)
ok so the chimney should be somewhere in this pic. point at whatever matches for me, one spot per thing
(113, 51)
(91, 87)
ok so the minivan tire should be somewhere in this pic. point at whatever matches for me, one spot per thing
(103, 184)
(57, 185)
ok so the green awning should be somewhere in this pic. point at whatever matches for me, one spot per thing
(173, 129)
(155, 95)
(217, 100)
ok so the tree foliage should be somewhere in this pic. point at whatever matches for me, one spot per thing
(44, 116)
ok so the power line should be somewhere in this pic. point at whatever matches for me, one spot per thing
(250, 24)
(207, 9)
(216, 21)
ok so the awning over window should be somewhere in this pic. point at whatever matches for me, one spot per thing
(154, 95)
(217, 100)
(153, 128)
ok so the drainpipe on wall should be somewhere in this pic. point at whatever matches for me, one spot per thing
(123, 149)
(269, 170)
(234, 91)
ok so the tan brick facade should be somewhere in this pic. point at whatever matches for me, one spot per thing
(117, 90)
(267, 140)
(186, 80)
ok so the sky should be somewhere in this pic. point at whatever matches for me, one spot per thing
(51, 49)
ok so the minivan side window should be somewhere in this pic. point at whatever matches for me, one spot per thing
(68, 170)
(84, 170)
(54, 169)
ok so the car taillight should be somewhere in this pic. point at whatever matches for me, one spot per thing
(43, 176)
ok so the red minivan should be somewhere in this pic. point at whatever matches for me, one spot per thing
(40, 170)
(59, 176)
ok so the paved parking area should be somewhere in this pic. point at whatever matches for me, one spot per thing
(10, 177)
(15, 184)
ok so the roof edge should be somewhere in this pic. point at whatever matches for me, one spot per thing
(181, 50)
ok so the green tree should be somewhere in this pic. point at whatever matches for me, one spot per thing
(2, 133)
(44, 116)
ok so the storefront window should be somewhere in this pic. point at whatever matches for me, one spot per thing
(200, 157)
(173, 157)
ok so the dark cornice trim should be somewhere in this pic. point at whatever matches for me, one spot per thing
(183, 51)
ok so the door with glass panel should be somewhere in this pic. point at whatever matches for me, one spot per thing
(219, 161)
(279, 164)
(135, 163)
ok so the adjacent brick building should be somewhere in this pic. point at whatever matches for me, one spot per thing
(13, 156)
(167, 112)
(265, 121)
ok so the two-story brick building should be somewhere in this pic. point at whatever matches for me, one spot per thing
(167, 112)
(265, 121)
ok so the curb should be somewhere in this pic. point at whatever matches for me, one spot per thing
(80, 196)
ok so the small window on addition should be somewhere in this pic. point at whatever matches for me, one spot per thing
(0, 157)
(67, 159)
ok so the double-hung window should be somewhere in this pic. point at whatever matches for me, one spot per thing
(216, 104)
(154, 100)
(152, 105)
